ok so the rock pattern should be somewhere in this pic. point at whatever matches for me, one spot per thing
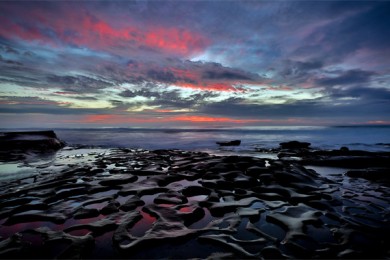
(177, 204)
(376, 163)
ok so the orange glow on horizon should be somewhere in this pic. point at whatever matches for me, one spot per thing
(212, 119)
(118, 119)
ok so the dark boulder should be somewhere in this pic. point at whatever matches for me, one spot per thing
(370, 174)
(32, 140)
(352, 162)
(230, 143)
(294, 145)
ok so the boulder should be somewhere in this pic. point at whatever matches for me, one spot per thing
(31, 140)
(230, 143)
(294, 145)
(370, 174)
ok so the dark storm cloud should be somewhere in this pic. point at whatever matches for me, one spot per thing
(365, 31)
(23, 105)
(162, 76)
(48, 109)
(173, 100)
(363, 93)
(364, 25)
(8, 49)
(168, 99)
(308, 65)
(305, 109)
(10, 62)
(299, 69)
(225, 75)
(78, 83)
(140, 93)
(129, 93)
(347, 78)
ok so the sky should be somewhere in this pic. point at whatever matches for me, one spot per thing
(194, 63)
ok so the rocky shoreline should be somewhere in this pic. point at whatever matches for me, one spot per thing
(125, 203)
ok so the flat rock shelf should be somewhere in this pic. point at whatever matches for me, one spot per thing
(178, 204)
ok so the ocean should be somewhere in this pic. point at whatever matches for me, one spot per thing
(369, 138)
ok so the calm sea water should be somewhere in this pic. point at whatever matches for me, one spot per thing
(373, 138)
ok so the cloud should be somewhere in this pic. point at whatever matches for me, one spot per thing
(270, 61)
(317, 108)
(91, 30)
(347, 78)
(363, 26)
(10, 62)
(161, 76)
(362, 93)
(78, 83)
(37, 105)
(225, 75)
(168, 100)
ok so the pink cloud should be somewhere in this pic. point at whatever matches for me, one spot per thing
(83, 29)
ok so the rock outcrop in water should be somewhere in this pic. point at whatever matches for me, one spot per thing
(31, 140)
(230, 143)
(294, 145)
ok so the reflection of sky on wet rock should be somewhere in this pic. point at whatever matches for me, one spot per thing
(226, 207)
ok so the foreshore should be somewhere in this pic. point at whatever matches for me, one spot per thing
(135, 203)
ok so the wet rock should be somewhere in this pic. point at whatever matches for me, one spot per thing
(346, 161)
(132, 204)
(230, 143)
(271, 252)
(195, 191)
(116, 179)
(66, 193)
(171, 198)
(183, 200)
(294, 219)
(57, 218)
(33, 140)
(251, 227)
(77, 245)
(191, 215)
(23, 208)
(370, 174)
(98, 227)
(223, 240)
(252, 214)
(110, 208)
(86, 213)
(257, 171)
(121, 233)
(11, 246)
(294, 145)
(221, 208)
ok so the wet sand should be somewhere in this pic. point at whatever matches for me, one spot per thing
(123, 203)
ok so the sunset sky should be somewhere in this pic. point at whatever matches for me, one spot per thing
(194, 63)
